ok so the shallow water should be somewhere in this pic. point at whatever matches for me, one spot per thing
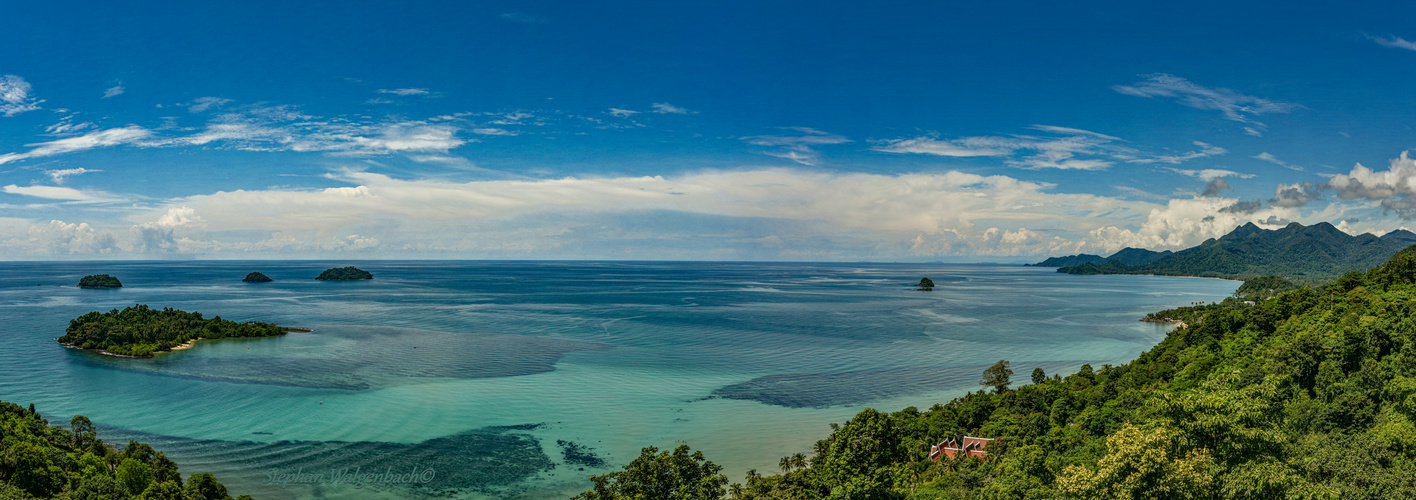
(485, 372)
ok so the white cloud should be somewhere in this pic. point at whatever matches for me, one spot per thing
(405, 92)
(1393, 42)
(963, 148)
(66, 126)
(1294, 195)
(201, 104)
(49, 192)
(1265, 156)
(494, 131)
(15, 96)
(666, 108)
(113, 91)
(159, 236)
(58, 238)
(1394, 188)
(102, 138)
(1210, 174)
(1206, 150)
(1183, 223)
(1233, 105)
(1045, 152)
(797, 148)
(622, 113)
(61, 174)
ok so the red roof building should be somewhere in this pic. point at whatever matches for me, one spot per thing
(969, 447)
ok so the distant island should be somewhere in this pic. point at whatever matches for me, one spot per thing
(350, 273)
(1305, 254)
(925, 285)
(140, 331)
(257, 278)
(99, 281)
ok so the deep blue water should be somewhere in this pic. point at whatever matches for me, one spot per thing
(485, 372)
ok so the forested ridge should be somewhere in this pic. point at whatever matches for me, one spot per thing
(42, 461)
(141, 330)
(1306, 394)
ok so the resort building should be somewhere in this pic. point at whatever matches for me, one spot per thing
(969, 447)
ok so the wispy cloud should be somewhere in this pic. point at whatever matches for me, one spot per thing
(61, 174)
(1206, 150)
(1026, 151)
(622, 113)
(1274, 160)
(405, 92)
(797, 148)
(666, 108)
(113, 91)
(97, 139)
(494, 131)
(201, 104)
(1233, 105)
(15, 96)
(1394, 42)
(56, 193)
(66, 126)
(1209, 174)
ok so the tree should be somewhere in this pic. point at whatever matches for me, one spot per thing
(83, 431)
(997, 376)
(134, 475)
(165, 490)
(679, 475)
(204, 487)
(28, 469)
(925, 283)
(1038, 376)
(855, 462)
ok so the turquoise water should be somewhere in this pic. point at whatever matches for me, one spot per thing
(488, 372)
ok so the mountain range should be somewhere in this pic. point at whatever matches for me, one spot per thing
(1308, 254)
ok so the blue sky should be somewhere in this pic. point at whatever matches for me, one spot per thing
(996, 131)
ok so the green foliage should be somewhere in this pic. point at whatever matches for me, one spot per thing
(925, 283)
(257, 278)
(99, 281)
(141, 331)
(1304, 254)
(345, 274)
(1303, 395)
(204, 487)
(679, 475)
(1264, 288)
(1039, 376)
(42, 461)
(997, 376)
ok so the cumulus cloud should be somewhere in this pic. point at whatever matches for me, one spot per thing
(1294, 195)
(1183, 223)
(159, 236)
(1265, 156)
(1233, 105)
(58, 238)
(97, 139)
(15, 96)
(113, 91)
(1393, 188)
(1243, 207)
(666, 108)
(1215, 186)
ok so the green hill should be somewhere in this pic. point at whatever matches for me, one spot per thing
(99, 281)
(1071, 260)
(1129, 256)
(257, 278)
(1311, 394)
(350, 273)
(1305, 254)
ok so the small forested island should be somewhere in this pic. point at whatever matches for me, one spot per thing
(257, 278)
(99, 281)
(43, 461)
(140, 331)
(925, 285)
(350, 273)
(1303, 393)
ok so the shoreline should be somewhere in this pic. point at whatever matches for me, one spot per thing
(187, 345)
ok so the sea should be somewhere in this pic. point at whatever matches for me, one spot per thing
(501, 379)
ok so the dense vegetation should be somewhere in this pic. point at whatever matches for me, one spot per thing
(141, 330)
(40, 461)
(345, 274)
(1128, 256)
(257, 278)
(925, 284)
(99, 281)
(1309, 394)
(1305, 254)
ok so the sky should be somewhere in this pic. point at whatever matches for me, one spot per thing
(780, 131)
